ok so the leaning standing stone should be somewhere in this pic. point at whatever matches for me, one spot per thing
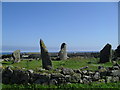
(63, 53)
(16, 56)
(46, 61)
(105, 54)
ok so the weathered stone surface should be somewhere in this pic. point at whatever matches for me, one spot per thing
(100, 67)
(96, 76)
(112, 79)
(105, 54)
(108, 79)
(115, 79)
(85, 81)
(19, 76)
(46, 61)
(63, 53)
(30, 71)
(53, 82)
(115, 67)
(6, 59)
(116, 64)
(57, 75)
(8, 71)
(85, 72)
(115, 73)
(90, 73)
(117, 51)
(6, 75)
(16, 56)
(77, 71)
(68, 78)
(75, 78)
(58, 70)
(41, 78)
(67, 71)
(85, 76)
(103, 71)
(84, 67)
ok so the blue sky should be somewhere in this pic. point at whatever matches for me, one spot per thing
(83, 26)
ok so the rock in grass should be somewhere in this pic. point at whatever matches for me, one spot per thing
(105, 54)
(46, 61)
(115, 79)
(115, 73)
(108, 79)
(16, 56)
(53, 82)
(63, 52)
(75, 78)
(96, 76)
(67, 71)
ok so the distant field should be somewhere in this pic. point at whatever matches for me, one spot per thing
(73, 63)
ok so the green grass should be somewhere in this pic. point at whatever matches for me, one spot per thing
(65, 86)
(73, 63)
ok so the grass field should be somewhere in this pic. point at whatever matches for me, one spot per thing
(73, 63)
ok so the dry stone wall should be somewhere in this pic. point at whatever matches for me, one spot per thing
(61, 76)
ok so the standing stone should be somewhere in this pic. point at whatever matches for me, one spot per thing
(105, 54)
(16, 56)
(63, 53)
(46, 61)
(117, 51)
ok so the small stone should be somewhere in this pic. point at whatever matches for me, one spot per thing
(67, 71)
(84, 67)
(85, 81)
(57, 75)
(100, 67)
(67, 78)
(115, 79)
(96, 76)
(102, 80)
(53, 82)
(115, 73)
(85, 72)
(109, 79)
(77, 71)
(41, 78)
(31, 71)
(75, 78)
(115, 67)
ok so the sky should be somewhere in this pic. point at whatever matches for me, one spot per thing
(83, 26)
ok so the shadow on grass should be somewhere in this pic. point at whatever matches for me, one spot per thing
(5, 63)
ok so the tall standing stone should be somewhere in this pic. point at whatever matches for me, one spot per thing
(105, 54)
(46, 61)
(16, 56)
(63, 53)
(117, 51)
